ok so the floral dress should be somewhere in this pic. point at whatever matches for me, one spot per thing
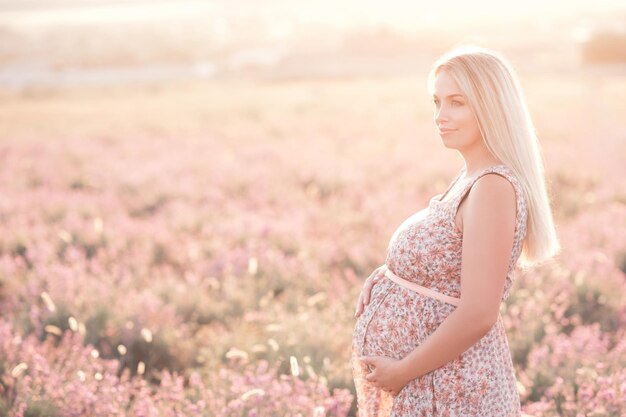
(426, 249)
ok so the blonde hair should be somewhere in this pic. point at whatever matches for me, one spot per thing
(493, 92)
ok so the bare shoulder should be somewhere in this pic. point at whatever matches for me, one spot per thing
(494, 186)
(492, 197)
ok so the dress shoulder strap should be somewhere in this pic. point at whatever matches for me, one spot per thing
(501, 170)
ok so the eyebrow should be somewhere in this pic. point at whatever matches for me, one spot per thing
(451, 95)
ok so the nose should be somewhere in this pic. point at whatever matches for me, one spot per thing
(441, 116)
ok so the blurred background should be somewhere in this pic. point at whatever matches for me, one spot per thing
(192, 194)
(95, 42)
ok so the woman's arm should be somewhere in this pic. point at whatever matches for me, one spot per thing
(488, 232)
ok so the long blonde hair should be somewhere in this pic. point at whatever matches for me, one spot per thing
(494, 94)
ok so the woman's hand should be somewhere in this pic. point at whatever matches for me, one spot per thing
(385, 373)
(366, 292)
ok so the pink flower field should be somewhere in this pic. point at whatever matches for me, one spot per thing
(197, 249)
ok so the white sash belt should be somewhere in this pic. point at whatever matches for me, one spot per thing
(422, 290)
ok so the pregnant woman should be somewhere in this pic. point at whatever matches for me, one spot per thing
(429, 339)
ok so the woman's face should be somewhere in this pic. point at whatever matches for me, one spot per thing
(452, 111)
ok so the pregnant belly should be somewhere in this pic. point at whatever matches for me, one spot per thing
(390, 324)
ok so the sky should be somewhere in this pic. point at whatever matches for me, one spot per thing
(403, 15)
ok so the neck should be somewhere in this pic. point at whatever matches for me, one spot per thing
(477, 159)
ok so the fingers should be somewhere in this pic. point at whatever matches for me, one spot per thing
(359, 305)
(366, 292)
(376, 276)
(372, 378)
(361, 300)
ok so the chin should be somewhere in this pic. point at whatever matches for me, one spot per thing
(448, 144)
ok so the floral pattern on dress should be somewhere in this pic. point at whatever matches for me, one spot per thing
(426, 249)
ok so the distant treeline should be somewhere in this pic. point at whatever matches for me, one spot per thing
(605, 47)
